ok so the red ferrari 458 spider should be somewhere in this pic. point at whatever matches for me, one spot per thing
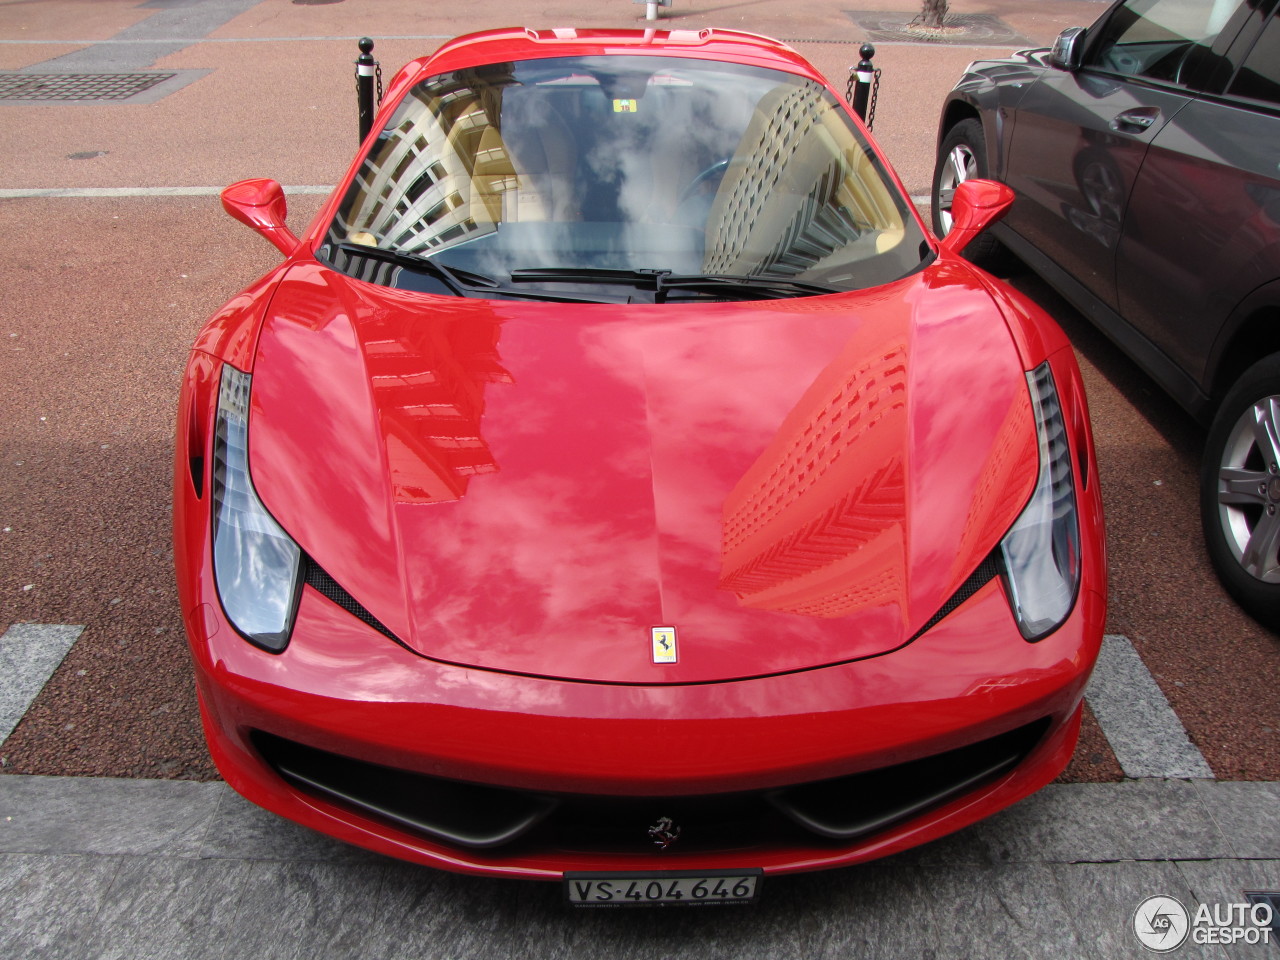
(618, 485)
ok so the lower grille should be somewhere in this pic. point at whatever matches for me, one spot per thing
(849, 808)
(472, 815)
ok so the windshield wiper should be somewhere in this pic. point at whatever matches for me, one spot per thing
(768, 286)
(660, 281)
(461, 283)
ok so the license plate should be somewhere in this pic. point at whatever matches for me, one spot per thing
(662, 888)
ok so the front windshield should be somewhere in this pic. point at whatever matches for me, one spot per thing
(623, 163)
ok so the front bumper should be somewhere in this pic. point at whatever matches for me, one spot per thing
(622, 757)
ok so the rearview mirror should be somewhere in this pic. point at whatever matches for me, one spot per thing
(976, 205)
(260, 204)
(1067, 49)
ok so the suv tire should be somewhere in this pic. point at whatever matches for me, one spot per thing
(1240, 491)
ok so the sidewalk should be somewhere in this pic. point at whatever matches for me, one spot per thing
(96, 868)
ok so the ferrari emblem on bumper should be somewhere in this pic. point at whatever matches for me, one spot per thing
(664, 833)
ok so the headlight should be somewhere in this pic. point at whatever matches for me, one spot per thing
(256, 566)
(1042, 549)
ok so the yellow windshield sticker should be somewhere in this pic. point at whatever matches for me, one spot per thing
(626, 106)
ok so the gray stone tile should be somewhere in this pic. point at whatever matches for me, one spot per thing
(1146, 735)
(1072, 822)
(222, 880)
(29, 653)
(969, 911)
(173, 908)
(181, 25)
(92, 815)
(50, 904)
(431, 913)
(314, 911)
(1218, 883)
(1248, 815)
(1103, 897)
(240, 829)
(883, 910)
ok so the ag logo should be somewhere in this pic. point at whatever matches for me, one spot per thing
(1161, 923)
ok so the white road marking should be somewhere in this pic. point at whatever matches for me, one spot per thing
(76, 193)
(29, 653)
(1146, 735)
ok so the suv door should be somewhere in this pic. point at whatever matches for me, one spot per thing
(1080, 137)
(1202, 229)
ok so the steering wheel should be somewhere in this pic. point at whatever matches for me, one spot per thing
(715, 171)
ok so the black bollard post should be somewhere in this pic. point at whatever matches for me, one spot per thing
(366, 67)
(864, 76)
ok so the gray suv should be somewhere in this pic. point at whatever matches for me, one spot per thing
(1145, 155)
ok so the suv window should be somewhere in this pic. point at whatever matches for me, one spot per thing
(1259, 77)
(1163, 40)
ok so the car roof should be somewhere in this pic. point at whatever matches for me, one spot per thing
(522, 43)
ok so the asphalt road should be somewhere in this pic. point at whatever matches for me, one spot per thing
(115, 251)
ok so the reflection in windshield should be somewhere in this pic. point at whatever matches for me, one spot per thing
(630, 162)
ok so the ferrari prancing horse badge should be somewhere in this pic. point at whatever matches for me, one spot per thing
(664, 644)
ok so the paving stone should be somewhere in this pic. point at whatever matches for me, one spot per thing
(29, 653)
(240, 829)
(50, 904)
(1073, 822)
(1218, 883)
(105, 816)
(311, 911)
(1146, 735)
(173, 908)
(1248, 815)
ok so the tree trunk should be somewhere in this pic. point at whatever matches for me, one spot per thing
(933, 13)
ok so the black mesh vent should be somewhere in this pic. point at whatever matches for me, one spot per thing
(316, 578)
(987, 571)
(848, 808)
(466, 814)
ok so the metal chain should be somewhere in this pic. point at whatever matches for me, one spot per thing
(377, 67)
(875, 95)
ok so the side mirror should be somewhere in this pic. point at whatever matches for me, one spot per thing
(976, 205)
(1068, 49)
(260, 204)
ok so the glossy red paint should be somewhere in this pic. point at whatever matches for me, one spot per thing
(531, 487)
(260, 204)
(977, 204)
(342, 687)
(609, 468)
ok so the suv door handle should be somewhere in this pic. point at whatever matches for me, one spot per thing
(1137, 120)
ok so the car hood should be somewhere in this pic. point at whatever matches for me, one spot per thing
(533, 487)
